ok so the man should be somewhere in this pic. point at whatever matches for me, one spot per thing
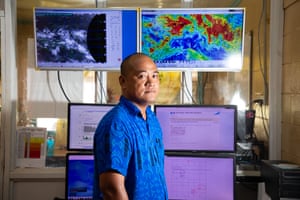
(128, 147)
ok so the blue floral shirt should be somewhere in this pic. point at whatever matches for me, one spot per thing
(127, 143)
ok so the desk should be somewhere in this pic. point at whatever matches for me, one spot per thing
(247, 182)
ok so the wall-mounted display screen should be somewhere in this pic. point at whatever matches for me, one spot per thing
(83, 120)
(198, 127)
(200, 177)
(84, 39)
(203, 39)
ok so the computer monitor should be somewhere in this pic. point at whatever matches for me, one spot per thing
(206, 128)
(202, 39)
(83, 119)
(84, 39)
(196, 177)
(79, 176)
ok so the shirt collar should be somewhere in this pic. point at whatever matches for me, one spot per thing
(133, 108)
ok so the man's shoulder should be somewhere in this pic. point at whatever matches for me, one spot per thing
(115, 113)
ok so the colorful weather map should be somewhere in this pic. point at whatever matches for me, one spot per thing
(190, 38)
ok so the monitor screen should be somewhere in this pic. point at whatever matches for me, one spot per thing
(84, 39)
(83, 120)
(195, 177)
(79, 176)
(203, 39)
(198, 127)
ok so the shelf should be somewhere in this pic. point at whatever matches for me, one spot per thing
(20, 174)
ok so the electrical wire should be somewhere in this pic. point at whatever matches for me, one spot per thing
(102, 94)
(202, 85)
(187, 91)
(264, 119)
(200, 88)
(259, 49)
(49, 88)
(61, 87)
(235, 3)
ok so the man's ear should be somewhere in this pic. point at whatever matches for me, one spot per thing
(122, 81)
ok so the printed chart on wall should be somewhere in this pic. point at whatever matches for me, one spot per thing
(31, 147)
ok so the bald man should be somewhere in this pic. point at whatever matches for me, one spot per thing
(128, 147)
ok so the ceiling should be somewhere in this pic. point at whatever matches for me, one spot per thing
(25, 7)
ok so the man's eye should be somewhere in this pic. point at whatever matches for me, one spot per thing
(141, 76)
(155, 76)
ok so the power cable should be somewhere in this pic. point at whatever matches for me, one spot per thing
(61, 87)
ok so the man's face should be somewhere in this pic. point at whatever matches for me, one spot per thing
(141, 84)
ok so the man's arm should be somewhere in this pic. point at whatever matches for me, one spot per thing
(112, 185)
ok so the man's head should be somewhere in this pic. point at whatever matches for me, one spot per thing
(139, 79)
